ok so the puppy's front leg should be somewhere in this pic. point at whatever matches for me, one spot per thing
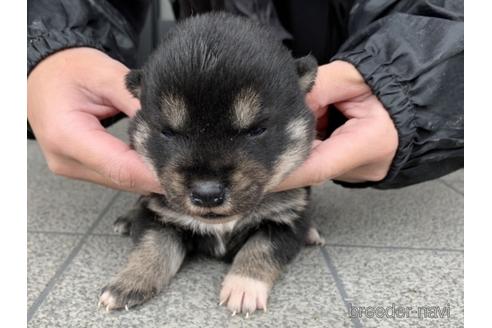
(258, 264)
(151, 265)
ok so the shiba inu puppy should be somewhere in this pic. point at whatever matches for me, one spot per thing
(223, 121)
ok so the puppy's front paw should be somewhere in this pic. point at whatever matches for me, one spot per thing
(115, 296)
(243, 294)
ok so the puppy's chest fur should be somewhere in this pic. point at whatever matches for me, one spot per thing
(223, 240)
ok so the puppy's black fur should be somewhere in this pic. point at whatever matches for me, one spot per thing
(223, 121)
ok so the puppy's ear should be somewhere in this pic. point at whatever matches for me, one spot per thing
(133, 81)
(307, 68)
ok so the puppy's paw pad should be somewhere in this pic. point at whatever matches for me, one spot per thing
(243, 294)
(122, 226)
(115, 298)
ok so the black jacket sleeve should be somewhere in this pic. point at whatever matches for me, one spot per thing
(55, 25)
(110, 26)
(411, 55)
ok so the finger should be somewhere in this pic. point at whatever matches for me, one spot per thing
(114, 160)
(75, 170)
(110, 157)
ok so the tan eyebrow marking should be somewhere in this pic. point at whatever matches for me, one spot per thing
(174, 109)
(245, 106)
(298, 129)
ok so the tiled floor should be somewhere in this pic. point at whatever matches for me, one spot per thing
(397, 251)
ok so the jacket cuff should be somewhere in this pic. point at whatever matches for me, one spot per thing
(41, 46)
(395, 99)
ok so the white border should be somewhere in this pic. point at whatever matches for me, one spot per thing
(478, 167)
(13, 242)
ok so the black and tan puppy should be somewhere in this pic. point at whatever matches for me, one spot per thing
(223, 121)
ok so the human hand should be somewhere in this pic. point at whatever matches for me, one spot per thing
(362, 149)
(69, 93)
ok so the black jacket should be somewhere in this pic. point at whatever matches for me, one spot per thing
(410, 52)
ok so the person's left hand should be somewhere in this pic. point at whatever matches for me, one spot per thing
(362, 149)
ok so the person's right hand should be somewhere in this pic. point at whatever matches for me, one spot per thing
(69, 93)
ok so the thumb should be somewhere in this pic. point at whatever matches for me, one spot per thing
(94, 148)
(330, 158)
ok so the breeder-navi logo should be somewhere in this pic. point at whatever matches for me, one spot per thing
(398, 312)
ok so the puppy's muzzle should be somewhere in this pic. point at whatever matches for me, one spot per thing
(207, 193)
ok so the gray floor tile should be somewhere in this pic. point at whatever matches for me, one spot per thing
(381, 278)
(45, 253)
(56, 203)
(304, 297)
(120, 129)
(456, 180)
(121, 206)
(427, 215)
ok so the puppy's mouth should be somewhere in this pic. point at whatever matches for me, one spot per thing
(212, 215)
(220, 214)
(214, 218)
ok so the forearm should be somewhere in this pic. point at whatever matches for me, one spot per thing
(57, 25)
(414, 65)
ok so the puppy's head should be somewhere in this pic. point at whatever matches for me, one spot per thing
(223, 116)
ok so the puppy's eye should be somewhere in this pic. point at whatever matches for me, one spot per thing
(168, 133)
(255, 132)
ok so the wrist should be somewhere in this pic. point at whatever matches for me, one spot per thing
(67, 60)
(42, 43)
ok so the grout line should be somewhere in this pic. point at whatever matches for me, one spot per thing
(49, 286)
(70, 233)
(451, 187)
(341, 288)
(402, 248)
(102, 234)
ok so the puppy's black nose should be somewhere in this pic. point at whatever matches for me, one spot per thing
(207, 193)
